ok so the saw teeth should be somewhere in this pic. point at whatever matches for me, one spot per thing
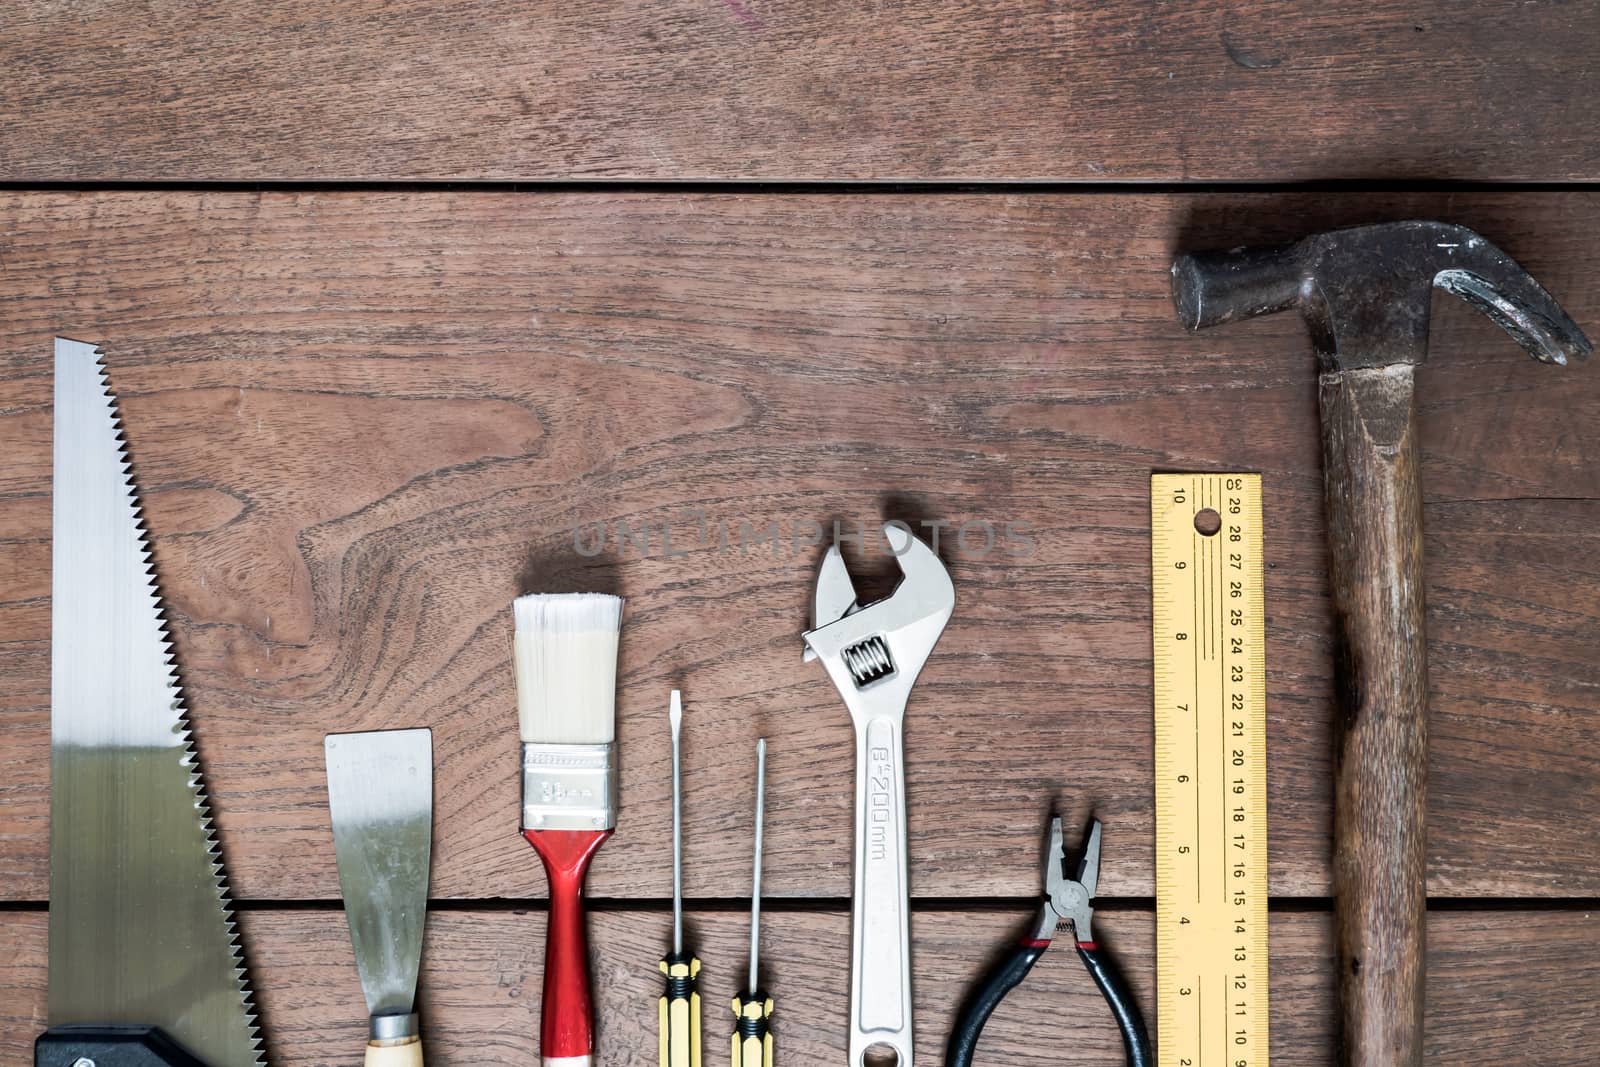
(189, 757)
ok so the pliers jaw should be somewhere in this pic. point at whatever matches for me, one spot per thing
(1071, 900)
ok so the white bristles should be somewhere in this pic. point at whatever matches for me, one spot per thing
(566, 667)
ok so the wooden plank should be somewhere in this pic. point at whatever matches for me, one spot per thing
(761, 89)
(364, 422)
(1492, 981)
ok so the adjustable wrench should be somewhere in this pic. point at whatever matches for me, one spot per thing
(873, 654)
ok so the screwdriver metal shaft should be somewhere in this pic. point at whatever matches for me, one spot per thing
(752, 1035)
(680, 1002)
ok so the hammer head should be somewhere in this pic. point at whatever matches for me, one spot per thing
(1365, 292)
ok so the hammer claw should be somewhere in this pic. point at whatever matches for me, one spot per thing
(1534, 321)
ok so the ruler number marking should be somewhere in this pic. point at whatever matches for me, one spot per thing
(1214, 765)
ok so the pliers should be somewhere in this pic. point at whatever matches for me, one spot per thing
(1066, 900)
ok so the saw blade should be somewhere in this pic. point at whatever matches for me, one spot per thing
(140, 927)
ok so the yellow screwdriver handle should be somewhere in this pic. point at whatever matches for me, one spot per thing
(752, 1035)
(680, 1012)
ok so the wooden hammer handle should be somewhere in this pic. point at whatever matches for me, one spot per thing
(1374, 510)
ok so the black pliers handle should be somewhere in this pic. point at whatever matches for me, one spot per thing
(1066, 900)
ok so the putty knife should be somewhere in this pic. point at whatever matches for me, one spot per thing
(380, 794)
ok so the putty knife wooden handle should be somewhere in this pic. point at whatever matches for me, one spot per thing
(408, 1053)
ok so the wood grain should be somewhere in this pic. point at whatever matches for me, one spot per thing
(1373, 507)
(796, 89)
(1513, 988)
(363, 423)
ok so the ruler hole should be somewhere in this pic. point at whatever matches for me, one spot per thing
(1207, 522)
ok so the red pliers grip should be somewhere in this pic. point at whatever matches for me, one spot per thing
(1066, 900)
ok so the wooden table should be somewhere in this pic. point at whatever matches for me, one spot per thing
(367, 409)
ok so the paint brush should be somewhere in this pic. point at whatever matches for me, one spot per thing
(566, 668)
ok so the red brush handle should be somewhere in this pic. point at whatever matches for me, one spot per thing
(566, 1030)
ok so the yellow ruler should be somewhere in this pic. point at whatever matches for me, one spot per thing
(1211, 770)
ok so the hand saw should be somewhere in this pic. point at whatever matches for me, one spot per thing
(145, 969)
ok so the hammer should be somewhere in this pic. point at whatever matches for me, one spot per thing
(1365, 295)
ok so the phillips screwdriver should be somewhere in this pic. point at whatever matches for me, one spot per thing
(680, 1002)
(752, 1036)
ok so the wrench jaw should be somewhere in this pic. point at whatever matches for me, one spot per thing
(835, 596)
(874, 653)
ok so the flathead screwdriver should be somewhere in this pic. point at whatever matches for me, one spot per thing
(680, 1002)
(752, 1035)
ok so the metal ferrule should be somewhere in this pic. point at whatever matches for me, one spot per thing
(392, 1027)
(753, 1010)
(569, 787)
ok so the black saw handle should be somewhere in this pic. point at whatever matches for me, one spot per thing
(989, 992)
(109, 1046)
(1135, 1041)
